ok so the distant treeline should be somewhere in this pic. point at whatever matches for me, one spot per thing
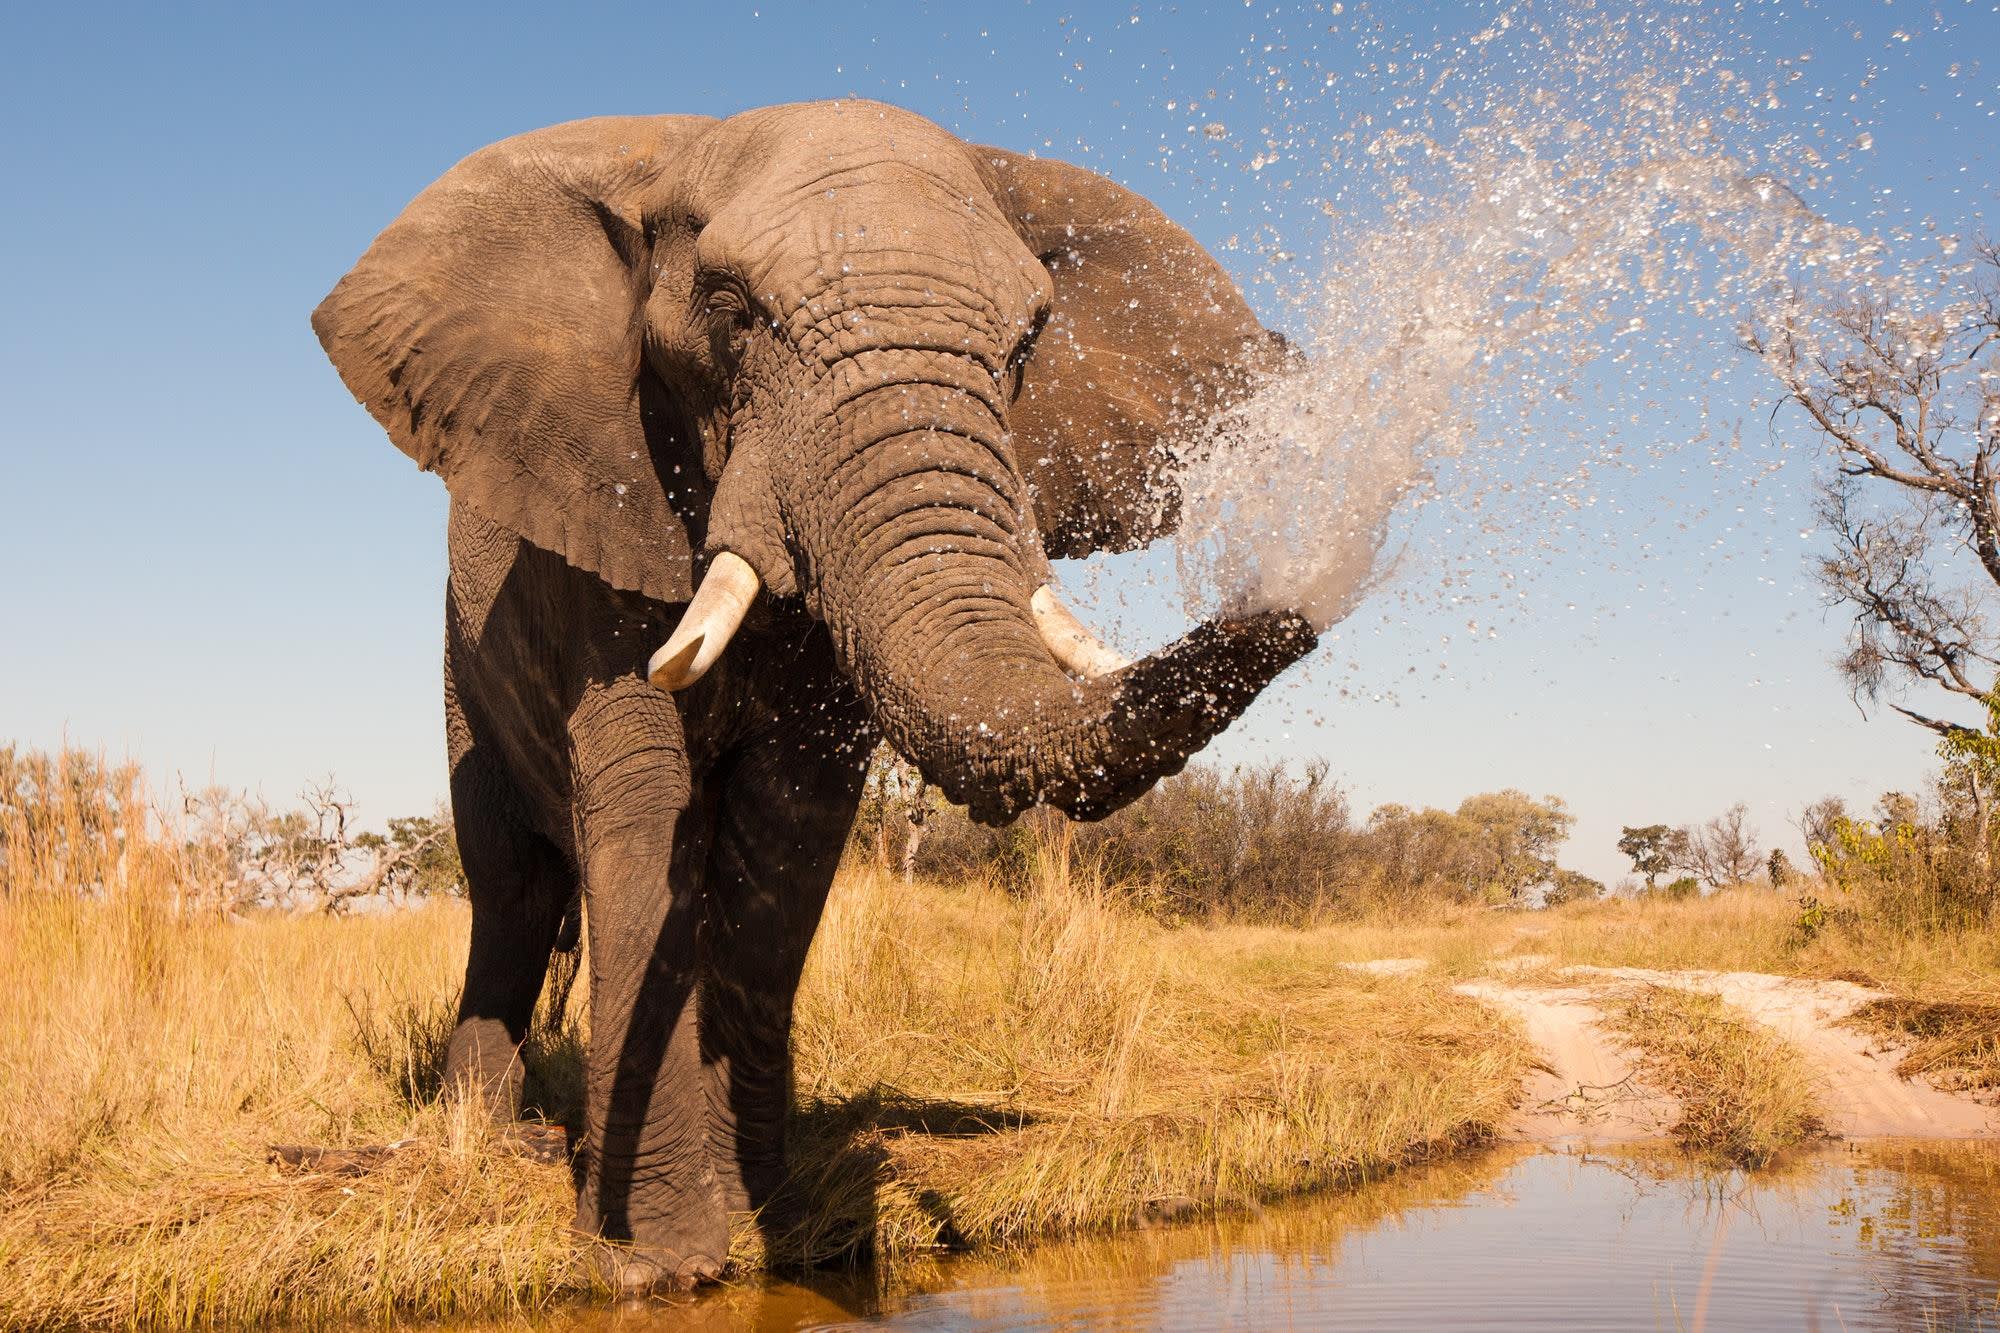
(1265, 844)
(1254, 844)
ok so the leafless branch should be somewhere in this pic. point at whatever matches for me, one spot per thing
(1907, 401)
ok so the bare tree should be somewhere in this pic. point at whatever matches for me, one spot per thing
(894, 793)
(249, 856)
(1721, 852)
(1906, 397)
(404, 864)
(318, 852)
(1819, 825)
(244, 855)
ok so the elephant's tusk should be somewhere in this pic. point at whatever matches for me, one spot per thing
(719, 604)
(1076, 649)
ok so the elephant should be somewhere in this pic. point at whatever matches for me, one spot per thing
(759, 434)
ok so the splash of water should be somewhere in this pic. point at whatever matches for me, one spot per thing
(1526, 234)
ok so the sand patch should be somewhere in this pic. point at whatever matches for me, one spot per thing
(1389, 967)
(1863, 1094)
(1589, 1089)
(1589, 1086)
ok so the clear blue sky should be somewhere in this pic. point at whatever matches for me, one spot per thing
(216, 563)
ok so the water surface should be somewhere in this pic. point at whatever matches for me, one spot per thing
(1854, 1236)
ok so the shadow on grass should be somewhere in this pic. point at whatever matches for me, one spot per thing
(829, 1212)
(826, 1215)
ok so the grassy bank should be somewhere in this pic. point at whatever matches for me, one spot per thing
(975, 1069)
(1138, 1070)
(1745, 1094)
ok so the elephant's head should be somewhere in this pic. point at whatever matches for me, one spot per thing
(832, 352)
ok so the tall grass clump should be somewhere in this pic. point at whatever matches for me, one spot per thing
(1955, 1044)
(1745, 1094)
(1749, 928)
(151, 1046)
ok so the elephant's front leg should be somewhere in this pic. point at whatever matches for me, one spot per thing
(785, 807)
(648, 1177)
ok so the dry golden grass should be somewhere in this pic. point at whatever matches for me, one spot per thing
(1747, 929)
(1757, 930)
(146, 1061)
(1953, 1043)
(974, 1069)
(1745, 1094)
(1131, 1070)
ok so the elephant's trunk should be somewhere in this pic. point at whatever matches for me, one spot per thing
(926, 571)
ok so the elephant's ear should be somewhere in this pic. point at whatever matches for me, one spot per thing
(1147, 338)
(495, 331)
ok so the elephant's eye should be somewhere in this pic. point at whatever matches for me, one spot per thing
(729, 321)
(728, 303)
(1024, 351)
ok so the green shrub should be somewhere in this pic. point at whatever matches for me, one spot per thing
(1917, 864)
(1572, 887)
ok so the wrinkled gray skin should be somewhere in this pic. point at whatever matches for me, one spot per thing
(892, 371)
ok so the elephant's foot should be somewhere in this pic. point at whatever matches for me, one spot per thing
(674, 1249)
(646, 1270)
(483, 1071)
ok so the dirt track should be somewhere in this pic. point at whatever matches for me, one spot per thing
(1590, 1089)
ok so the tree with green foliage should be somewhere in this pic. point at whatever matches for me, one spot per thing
(1518, 837)
(1571, 886)
(1655, 849)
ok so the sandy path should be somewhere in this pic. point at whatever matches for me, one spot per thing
(1590, 1088)
(1860, 1090)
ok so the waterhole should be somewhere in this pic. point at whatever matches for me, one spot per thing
(1878, 1235)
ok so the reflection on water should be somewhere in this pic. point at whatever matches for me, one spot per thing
(1866, 1235)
